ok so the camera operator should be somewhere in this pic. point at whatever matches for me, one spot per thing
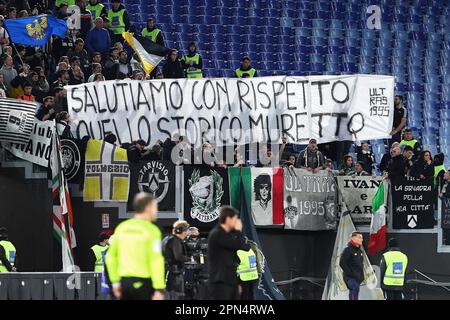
(175, 255)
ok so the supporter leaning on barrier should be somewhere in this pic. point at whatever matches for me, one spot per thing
(310, 158)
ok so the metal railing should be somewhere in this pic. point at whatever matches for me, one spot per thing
(429, 282)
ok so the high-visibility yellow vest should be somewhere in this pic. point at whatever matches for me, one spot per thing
(150, 34)
(193, 72)
(251, 72)
(437, 170)
(247, 269)
(396, 262)
(410, 143)
(117, 24)
(58, 3)
(10, 252)
(95, 10)
(99, 252)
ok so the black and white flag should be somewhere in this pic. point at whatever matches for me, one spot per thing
(16, 120)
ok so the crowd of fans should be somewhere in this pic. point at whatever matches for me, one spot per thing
(97, 52)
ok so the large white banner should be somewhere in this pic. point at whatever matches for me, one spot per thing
(38, 148)
(225, 111)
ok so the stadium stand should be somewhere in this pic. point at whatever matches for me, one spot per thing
(285, 37)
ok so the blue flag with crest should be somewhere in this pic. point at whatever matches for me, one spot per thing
(36, 30)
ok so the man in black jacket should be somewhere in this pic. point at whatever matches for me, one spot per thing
(396, 167)
(352, 263)
(175, 254)
(223, 242)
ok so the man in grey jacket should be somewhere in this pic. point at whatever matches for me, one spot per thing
(310, 158)
(8, 71)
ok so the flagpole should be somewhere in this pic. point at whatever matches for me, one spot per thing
(12, 43)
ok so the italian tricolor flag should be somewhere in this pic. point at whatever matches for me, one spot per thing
(263, 188)
(377, 241)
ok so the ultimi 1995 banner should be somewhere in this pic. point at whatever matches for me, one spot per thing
(236, 111)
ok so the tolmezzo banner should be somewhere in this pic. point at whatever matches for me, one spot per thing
(228, 110)
(357, 193)
(38, 148)
(309, 200)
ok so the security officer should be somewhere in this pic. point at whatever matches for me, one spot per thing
(393, 269)
(58, 3)
(408, 140)
(99, 251)
(8, 256)
(119, 21)
(439, 170)
(134, 260)
(192, 62)
(152, 32)
(96, 8)
(247, 272)
(175, 254)
(245, 70)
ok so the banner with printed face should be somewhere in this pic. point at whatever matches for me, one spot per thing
(38, 147)
(205, 191)
(412, 203)
(156, 177)
(309, 200)
(236, 111)
(357, 193)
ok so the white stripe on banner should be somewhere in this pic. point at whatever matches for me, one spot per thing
(16, 120)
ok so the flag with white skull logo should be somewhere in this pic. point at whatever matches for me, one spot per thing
(205, 191)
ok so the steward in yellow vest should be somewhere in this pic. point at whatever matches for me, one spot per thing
(8, 256)
(248, 271)
(96, 9)
(393, 270)
(99, 251)
(245, 70)
(408, 140)
(192, 62)
(439, 170)
(119, 21)
(153, 33)
(58, 3)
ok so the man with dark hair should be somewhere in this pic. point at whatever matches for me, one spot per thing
(175, 253)
(359, 170)
(310, 158)
(152, 32)
(27, 96)
(122, 68)
(263, 190)
(352, 264)
(46, 110)
(137, 151)
(408, 140)
(223, 242)
(400, 117)
(62, 80)
(8, 254)
(98, 252)
(393, 270)
(245, 70)
(134, 260)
